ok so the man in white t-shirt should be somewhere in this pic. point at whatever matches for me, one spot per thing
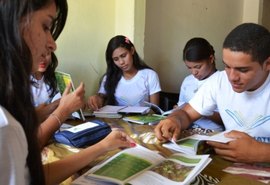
(242, 95)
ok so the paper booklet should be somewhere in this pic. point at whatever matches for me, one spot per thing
(158, 109)
(63, 80)
(196, 144)
(113, 111)
(255, 171)
(150, 119)
(140, 165)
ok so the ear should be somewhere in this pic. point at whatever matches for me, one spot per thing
(212, 59)
(132, 50)
(266, 64)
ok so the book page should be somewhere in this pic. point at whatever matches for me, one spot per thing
(162, 112)
(109, 109)
(82, 127)
(176, 170)
(144, 119)
(191, 144)
(168, 112)
(63, 80)
(123, 166)
(142, 166)
(135, 109)
(188, 145)
(256, 171)
(219, 137)
(154, 106)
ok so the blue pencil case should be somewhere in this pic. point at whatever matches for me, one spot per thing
(83, 135)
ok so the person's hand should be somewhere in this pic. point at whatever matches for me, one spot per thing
(242, 149)
(95, 102)
(117, 139)
(168, 129)
(71, 101)
(44, 110)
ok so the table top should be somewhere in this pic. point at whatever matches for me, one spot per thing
(144, 135)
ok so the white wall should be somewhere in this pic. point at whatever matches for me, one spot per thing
(124, 18)
(252, 11)
(82, 44)
(130, 21)
(139, 26)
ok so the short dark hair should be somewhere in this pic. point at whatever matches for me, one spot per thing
(249, 38)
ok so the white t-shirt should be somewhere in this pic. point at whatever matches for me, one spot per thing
(136, 90)
(41, 92)
(189, 87)
(248, 111)
(13, 151)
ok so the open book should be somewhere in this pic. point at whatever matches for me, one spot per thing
(158, 109)
(113, 111)
(196, 144)
(63, 80)
(150, 119)
(140, 165)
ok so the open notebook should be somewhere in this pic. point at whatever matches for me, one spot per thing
(113, 111)
(63, 80)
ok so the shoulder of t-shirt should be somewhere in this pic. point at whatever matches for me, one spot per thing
(189, 79)
(218, 77)
(148, 71)
(5, 117)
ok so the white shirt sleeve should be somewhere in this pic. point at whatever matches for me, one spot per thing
(204, 99)
(182, 93)
(102, 88)
(154, 84)
(14, 151)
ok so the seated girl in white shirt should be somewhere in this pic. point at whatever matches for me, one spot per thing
(128, 80)
(199, 57)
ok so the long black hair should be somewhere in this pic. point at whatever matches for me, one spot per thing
(56, 29)
(113, 73)
(15, 69)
